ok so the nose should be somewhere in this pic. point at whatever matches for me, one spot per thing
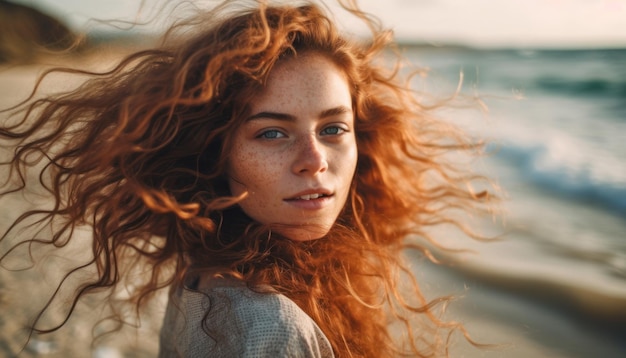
(310, 158)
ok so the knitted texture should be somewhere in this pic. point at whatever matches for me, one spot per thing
(240, 323)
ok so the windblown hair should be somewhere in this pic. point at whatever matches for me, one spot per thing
(138, 154)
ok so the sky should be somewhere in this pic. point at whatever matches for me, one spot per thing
(481, 23)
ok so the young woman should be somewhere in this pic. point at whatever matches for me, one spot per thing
(267, 171)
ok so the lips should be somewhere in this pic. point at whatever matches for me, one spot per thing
(310, 202)
(311, 199)
(311, 195)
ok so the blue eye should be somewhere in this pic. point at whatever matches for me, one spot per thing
(332, 130)
(271, 134)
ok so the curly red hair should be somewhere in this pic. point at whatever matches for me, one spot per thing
(139, 155)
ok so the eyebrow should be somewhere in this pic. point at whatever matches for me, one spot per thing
(335, 111)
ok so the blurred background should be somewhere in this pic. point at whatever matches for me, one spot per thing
(553, 76)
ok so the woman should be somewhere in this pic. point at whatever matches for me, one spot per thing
(268, 172)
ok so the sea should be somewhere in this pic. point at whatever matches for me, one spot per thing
(554, 283)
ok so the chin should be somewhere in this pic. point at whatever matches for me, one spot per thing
(303, 233)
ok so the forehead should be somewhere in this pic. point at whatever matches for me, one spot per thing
(308, 77)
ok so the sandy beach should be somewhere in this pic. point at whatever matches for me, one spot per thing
(25, 286)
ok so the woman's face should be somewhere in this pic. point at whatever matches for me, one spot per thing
(296, 153)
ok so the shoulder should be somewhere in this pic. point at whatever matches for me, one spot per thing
(272, 324)
(244, 323)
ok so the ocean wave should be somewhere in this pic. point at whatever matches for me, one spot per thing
(556, 168)
(586, 87)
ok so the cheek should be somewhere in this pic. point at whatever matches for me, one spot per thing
(354, 157)
(257, 173)
(253, 170)
(348, 170)
(348, 158)
(241, 169)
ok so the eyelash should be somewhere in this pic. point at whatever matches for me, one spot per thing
(264, 135)
(339, 130)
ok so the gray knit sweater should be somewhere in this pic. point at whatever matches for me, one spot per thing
(241, 323)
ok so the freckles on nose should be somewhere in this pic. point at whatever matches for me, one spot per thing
(310, 156)
(307, 141)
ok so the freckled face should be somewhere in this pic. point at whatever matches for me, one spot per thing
(296, 153)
